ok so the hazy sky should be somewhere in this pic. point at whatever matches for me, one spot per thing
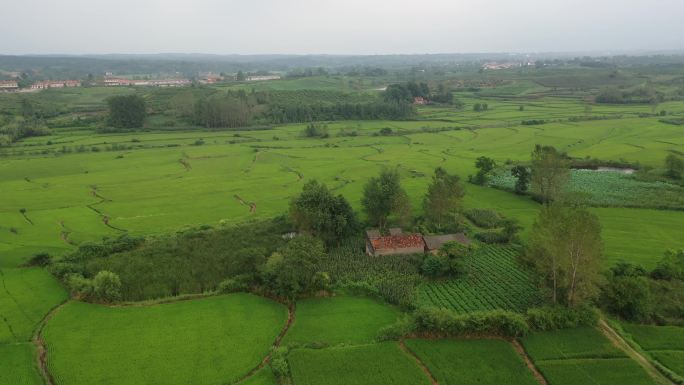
(338, 27)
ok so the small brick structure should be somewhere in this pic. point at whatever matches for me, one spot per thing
(396, 243)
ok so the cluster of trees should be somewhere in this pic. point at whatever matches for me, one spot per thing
(299, 113)
(478, 107)
(485, 166)
(126, 111)
(644, 95)
(674, 166)
(635, 294)
(406, 92)
(17, 127)
(223, 111)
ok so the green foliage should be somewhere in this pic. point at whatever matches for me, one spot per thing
(445, 323)
(383, 196)
(484, 218)
(484, 165)
(222, 111)
(493, 280)
(559, 317)
(550, 173)
(566, 248)
(236, 330)
(317, 212)
(671, 266)
(392, 277)
(40, 260)
(107, 286)
(293, 270)
(472, 362)
(523, 176)
(126, 111)
(674, 166)
(443, 196)
(315, 130)
(160, 266)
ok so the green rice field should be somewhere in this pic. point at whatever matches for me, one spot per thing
(582, 356)
(339, 321)
(664, 343)
(373, 364)
(470, 362)
(205, 341)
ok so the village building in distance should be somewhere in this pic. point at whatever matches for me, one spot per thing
(8, 85)
(110, 81)
(261, 78)
(45, 84)
(397, 242)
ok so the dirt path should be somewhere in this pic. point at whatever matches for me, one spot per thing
(621, 344)
(252, 205)
(530, 365)
(40, 344)
(420, 363)
(291, 310)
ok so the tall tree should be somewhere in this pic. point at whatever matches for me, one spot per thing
(383, 196)
(484, 166)
(127, 111)
(675, 166)
(566, 248)
(443, 196)
(550, 172)
(522, 182)
(317, 212)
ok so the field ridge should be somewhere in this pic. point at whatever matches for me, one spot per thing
(420, 363)
(619, 342)
(528, 361)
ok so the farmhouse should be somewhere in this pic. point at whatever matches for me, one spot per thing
(8, 85)
(397, 242)
(419, 100)
(261, 78)
(434, 242)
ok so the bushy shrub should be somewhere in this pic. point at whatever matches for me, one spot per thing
(444, 322)
(239, 283)
(670, 267)
(484, 218)
(107, 286)
(40, 259)
(396, 331)
(491, 237)
(279, 365)
(560, 317)
(80, 286)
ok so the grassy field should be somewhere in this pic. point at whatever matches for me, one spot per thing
(18, 365)
(163, 182)
(207, 341)
(339, 320)
(494, 280)
(664, 343)
(26, 296)
(373, 364)
(263, 377)
(582, 356)
(470, 362)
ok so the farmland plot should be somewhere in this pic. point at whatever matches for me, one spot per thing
(18, 365)
(208, 341)
(494, 280)
(582, 356)
(339, 320)
(470, 362)
(373, 364)
(664, 343)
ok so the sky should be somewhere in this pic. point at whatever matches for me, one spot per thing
(338, 27)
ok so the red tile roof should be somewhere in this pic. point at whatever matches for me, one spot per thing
(402, 241)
